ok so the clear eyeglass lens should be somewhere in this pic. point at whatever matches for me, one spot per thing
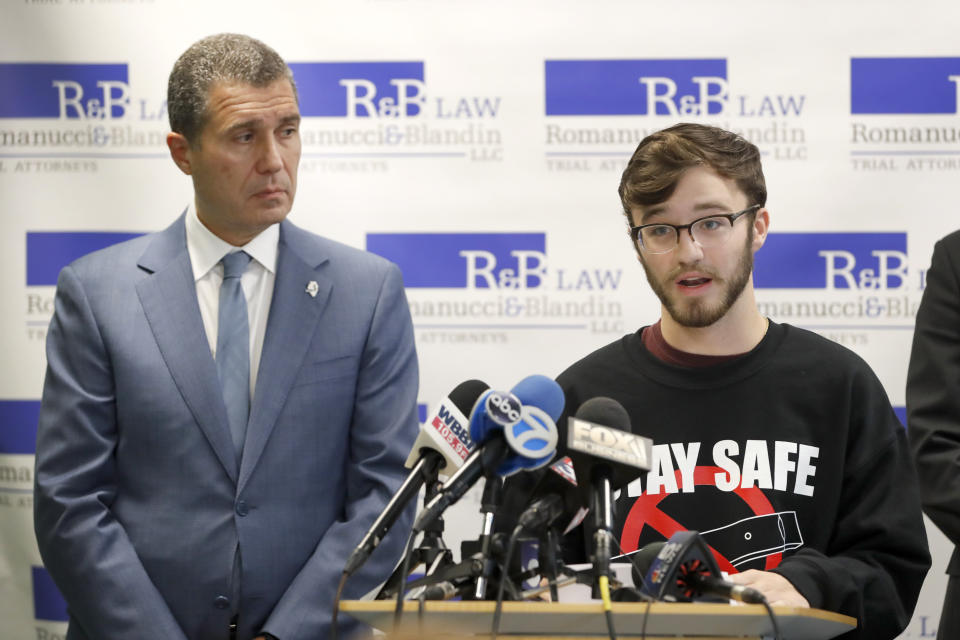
(711, 231)
(659, 238)
(707, 232)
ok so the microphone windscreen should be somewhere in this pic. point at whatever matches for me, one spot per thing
(642, 560)
(485, 421)
(543, 402)
(528, 412)
(446, 430)
(494, 410)
(543, 392)
(675, 573)
(601, 443)
(605, 411)
(466, 394)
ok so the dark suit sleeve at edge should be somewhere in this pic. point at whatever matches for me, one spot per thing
(933, 390)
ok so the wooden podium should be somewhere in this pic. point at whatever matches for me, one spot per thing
(545, 620)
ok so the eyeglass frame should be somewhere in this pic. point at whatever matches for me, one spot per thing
(732, 217)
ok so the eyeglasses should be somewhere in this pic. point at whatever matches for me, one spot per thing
(711, 231)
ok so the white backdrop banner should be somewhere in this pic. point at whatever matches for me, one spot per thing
(479, 145)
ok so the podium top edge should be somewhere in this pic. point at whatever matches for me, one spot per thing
(658, 608)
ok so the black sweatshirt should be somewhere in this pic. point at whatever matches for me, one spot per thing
(788, 458)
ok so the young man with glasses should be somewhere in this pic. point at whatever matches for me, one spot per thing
(779, 446)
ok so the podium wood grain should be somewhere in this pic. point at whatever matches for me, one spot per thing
(543, 620)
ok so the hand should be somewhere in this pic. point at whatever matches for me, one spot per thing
(774, 587)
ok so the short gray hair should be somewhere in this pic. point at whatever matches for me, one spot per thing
(226, 57)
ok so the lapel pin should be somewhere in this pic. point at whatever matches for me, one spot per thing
(312, 288)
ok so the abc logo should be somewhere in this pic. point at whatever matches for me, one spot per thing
(534, 437)
(503, 408)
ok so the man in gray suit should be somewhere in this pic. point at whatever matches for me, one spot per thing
(186, 491)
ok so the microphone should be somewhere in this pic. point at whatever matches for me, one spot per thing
(441, 444)
(541, 513)
(641, 559)
(683, 569)
(447, 432)
(514, 430)
(560, 479)
(440, 591)
(606, 456)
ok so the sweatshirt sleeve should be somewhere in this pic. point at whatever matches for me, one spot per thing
(877, 556)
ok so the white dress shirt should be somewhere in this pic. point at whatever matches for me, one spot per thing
(206, 250)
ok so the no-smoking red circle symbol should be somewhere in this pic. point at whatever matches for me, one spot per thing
(646, 512)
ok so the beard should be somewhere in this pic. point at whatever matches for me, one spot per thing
(700, 313)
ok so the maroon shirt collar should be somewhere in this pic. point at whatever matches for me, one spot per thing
(652, 338)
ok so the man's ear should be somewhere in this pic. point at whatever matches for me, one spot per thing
(179, 151)
(761, 223)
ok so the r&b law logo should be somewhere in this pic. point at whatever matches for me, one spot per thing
(904, 114)
(854, 280)
(360, 89)
(481, 281)
(374, 112)
(64, 91)
(47, 253)
(62, 109)
(662, 91)
(636, 87)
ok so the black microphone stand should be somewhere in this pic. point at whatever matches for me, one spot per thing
(489, 503)
(602, 509)
(550, 566)
(432, 552)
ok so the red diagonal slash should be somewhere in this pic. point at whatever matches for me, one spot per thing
(646, 511)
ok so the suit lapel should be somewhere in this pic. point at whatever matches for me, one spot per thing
(294, 317)
(169, 300)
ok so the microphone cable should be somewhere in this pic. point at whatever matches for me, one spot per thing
(643, 578)
(646, 616)
(632, 558)
(643, 596)
(773, 620)
(498, 607)
(421, 610)
(551, 562)
(603, 582)
(336, 605)
(401, 588)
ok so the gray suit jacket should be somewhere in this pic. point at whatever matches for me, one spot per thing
(140, 504)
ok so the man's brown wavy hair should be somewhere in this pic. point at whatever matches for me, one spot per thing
(662, 157)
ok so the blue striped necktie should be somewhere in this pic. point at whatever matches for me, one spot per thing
(233, 347)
